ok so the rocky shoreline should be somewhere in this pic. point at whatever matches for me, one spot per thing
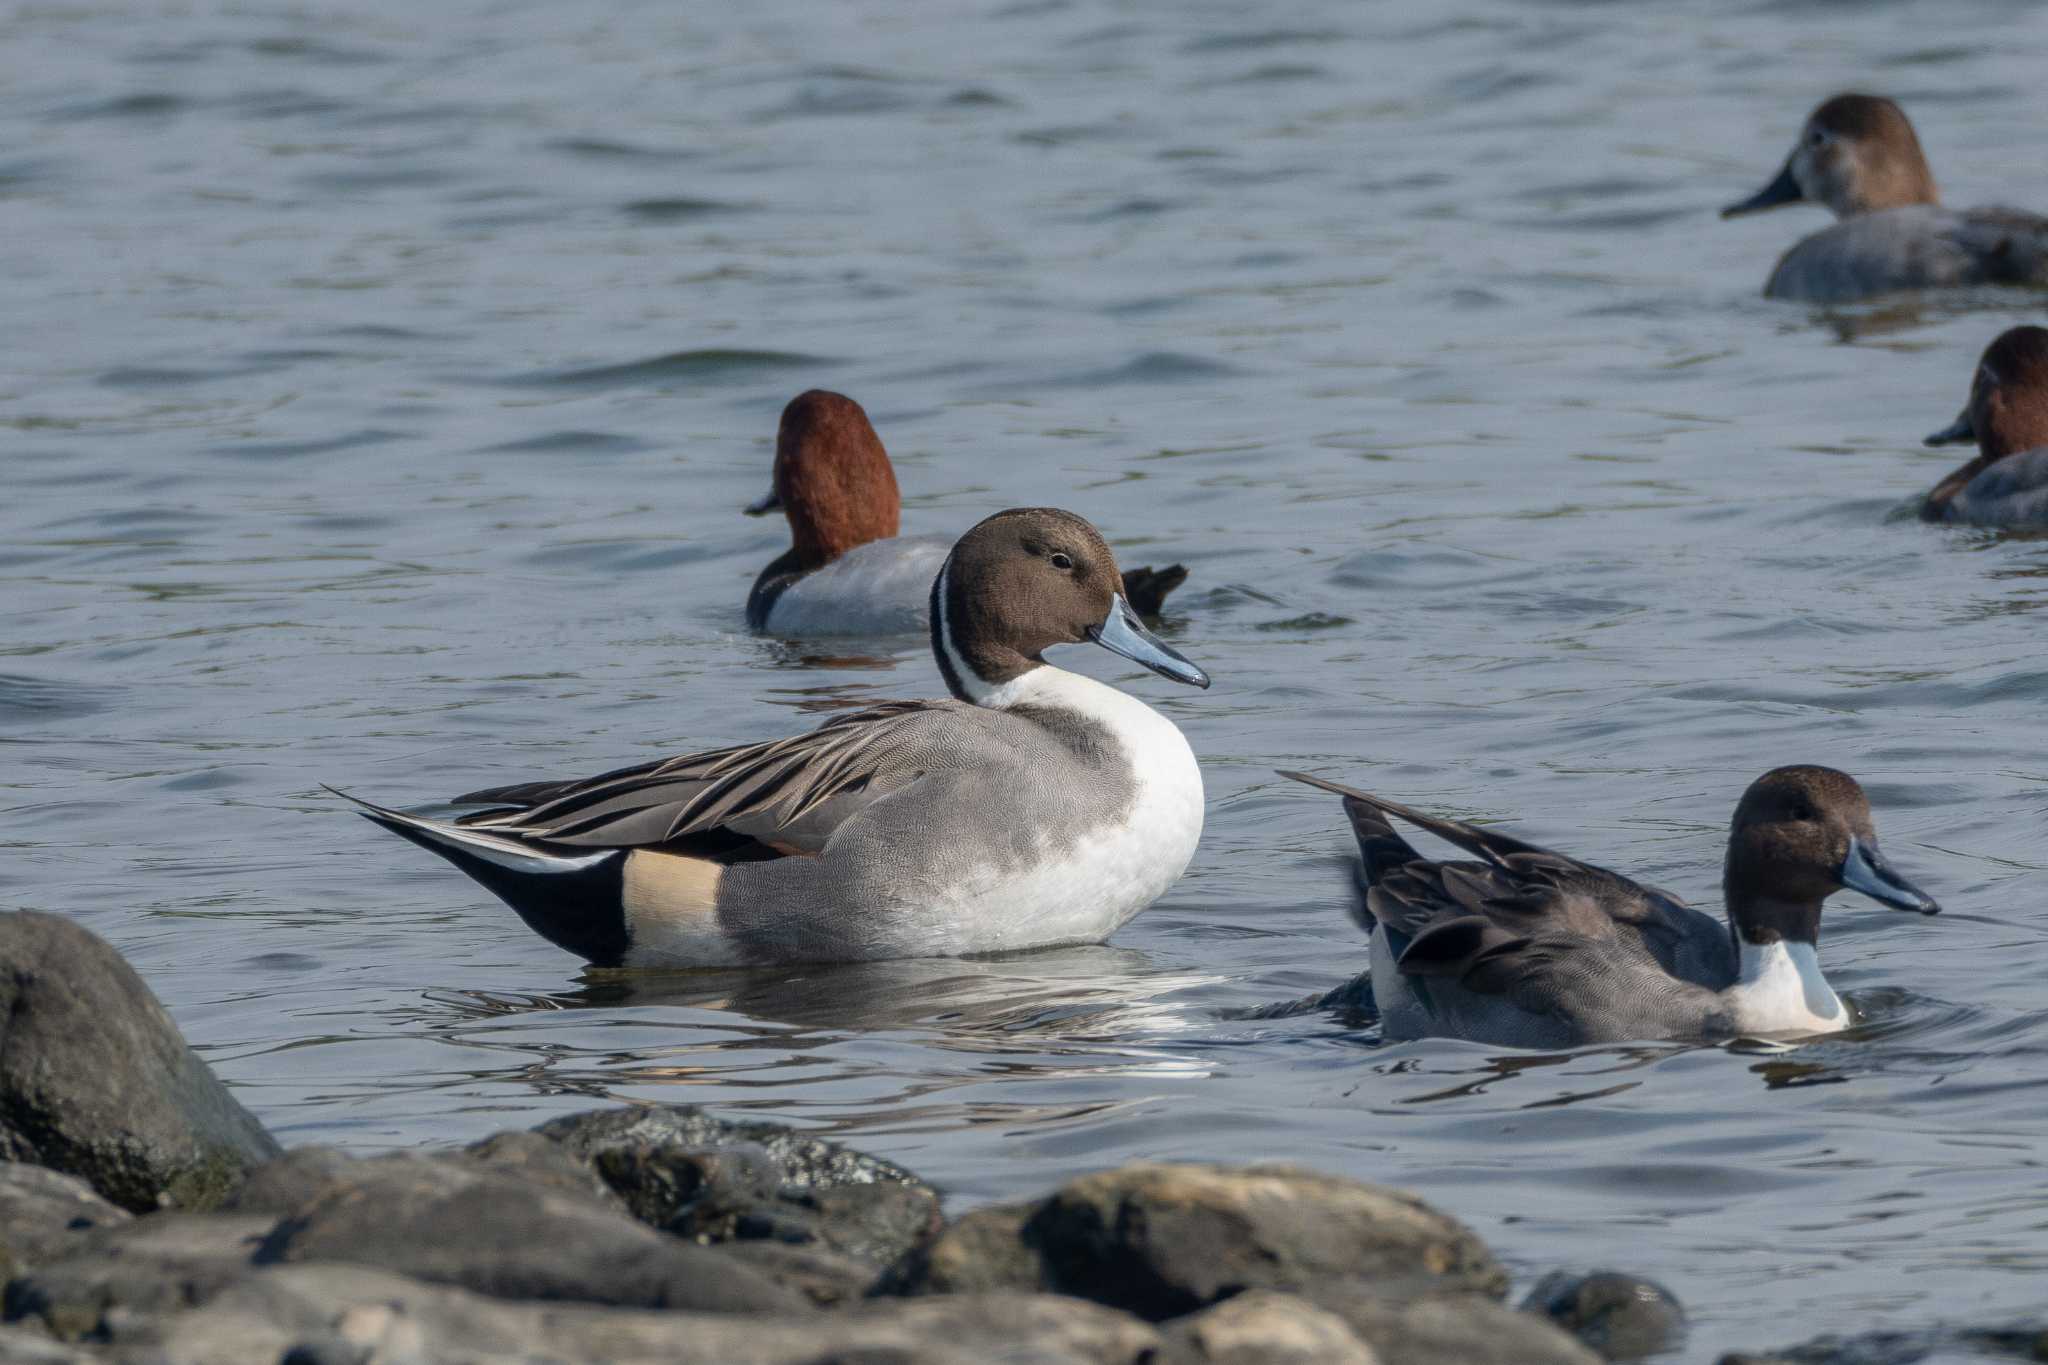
(145, 1216)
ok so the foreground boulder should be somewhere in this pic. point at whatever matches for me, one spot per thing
(1264, 1328)
(115, 1278)
(454, 1222)
(42, 1213)
(717, 1180)
(346, 1313)
(1164, 1240)
(95, 1080)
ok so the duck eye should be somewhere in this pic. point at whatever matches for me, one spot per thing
(1060, 560)
(1817, 138)
(1800, 811)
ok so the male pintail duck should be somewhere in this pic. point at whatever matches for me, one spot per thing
(846, 571)
(1033, 807)
(2007, 416)
(1529, 948)
(1858, 157)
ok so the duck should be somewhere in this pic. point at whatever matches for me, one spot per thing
(1030, 807)
(1530, 948)
(847, 571)
(1859, 158)
(2007, 416)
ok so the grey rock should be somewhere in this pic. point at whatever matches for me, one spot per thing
(1623, 1317)
(327, 1313)
(118, 1277)
(42, 1212)
(96, 1080)
(719, 1180)
(826, 1278)
(1164, 1240)
(303, 1174)
(1264, 1328)
(1448, 1329)
(278, 1187)
(2013, 1341)
(452, 1223)
(19, 1346)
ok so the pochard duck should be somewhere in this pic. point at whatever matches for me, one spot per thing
(1858, 157)
(2007, 416)
(1031, 807)
(847, 571)
(1530, 948)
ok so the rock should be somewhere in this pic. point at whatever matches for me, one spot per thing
(539, 1161)
(118, 1276)
(1620, 1316)
(310, 1315)
(1447, 1329)
(95, 1080)
(278, 1187)
(826, 1278)
(299, 1176)
(18, 1347)
(456, 1223)
(1164, 1240)
(2013, 1341)
(43, 1211)
(718, 1180)
(1264, 1328)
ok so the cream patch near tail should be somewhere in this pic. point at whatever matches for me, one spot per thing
(671, 906)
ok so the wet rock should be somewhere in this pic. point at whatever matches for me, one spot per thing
(452, 1223)
(96, 1080)
(718, 1180)
(310, 1315)
(2015, 1341)
(43, 1211)
(1623, 1317)
(1264, 1328)
(1447, 1329)
(119, 1276)
(1163, 1240)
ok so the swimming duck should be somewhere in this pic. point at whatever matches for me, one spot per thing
(1032, 807)
(846, 571)
(1858, 157)
(2007, 416)
(1529, 948)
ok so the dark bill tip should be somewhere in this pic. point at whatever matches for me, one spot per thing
(762, 506)
(1867, 870)
(1955, 433)
(1784, 190)
(1121, 632)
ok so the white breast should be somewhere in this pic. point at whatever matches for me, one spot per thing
(1781, 992)
(1085, 890)
(880, 588)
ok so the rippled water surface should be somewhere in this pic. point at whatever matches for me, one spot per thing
(386, 380)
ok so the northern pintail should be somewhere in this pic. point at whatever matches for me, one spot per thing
(1033, 807)
(1858, 157)
(2007, 416)
(846, 571)
(1529, 948)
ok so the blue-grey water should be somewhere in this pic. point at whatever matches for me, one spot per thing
(385, 380)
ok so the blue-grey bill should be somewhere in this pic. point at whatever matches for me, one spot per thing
(1784, 190)
(762, 506)
(1866, 870)
(1121, 632)
(1955, 433)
